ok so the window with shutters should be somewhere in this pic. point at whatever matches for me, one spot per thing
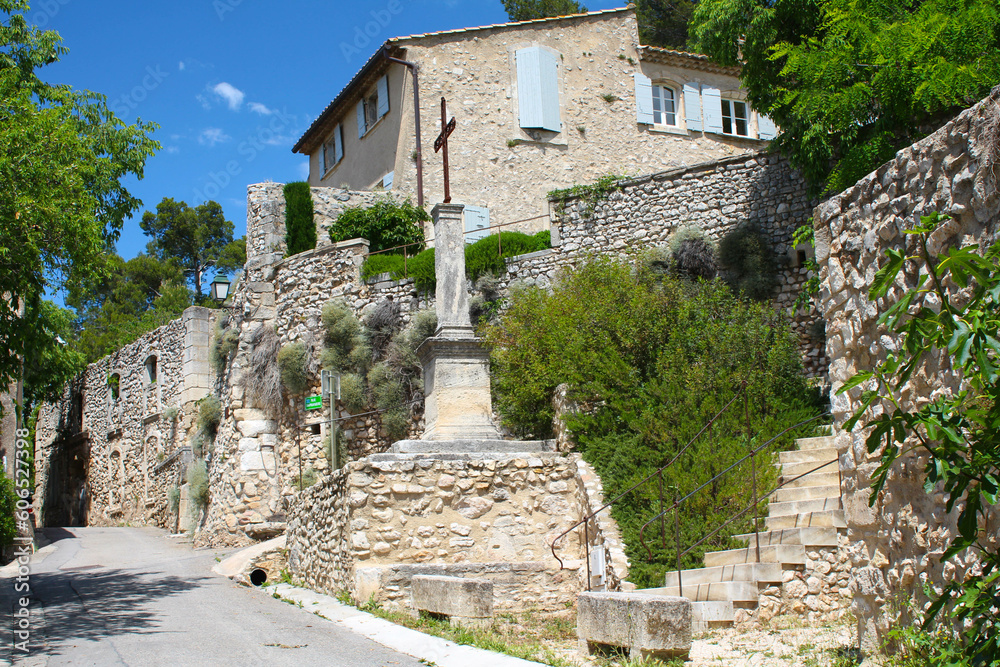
(538, 89)
(373, 106)
(735, 118)
(664, 105)
(333, 149)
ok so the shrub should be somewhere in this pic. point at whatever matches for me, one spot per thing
(309, 478)
(384, 263)
(396, 423)
(171, 413)
(262, 380)
(209, 414)
(423, 326)
(655, 357)
(174, 498)
(484, 256)
(342, 334)
(224, 343)
(8, 506)
(749, 261)
(386, 224)
(293, 362)
(421, 269)
(352, 393)
(380, 326)
(197, 479)
(300, 228)
(693, 253)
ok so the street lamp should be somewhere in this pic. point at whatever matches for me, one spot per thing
(220, 288)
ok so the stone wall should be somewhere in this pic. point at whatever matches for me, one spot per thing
(368, 528)
(896, 544)
(110, 452)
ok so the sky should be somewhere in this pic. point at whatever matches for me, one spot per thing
(232, 84)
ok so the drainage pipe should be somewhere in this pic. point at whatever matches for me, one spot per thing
(416, 122)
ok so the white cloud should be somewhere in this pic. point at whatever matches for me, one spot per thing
(211, 136)
(257, 107)
(205, 104)
(180, 66)
(278, 140)
(231, 94)
(173, 149)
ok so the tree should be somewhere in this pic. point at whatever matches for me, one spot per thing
(63, 155)
(300, 228)
(196, 237)
(387, 224)
(527, 10)
(50, 360)
(664, 22)
(850, 82)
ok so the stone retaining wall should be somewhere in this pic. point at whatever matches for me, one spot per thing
(896, 544)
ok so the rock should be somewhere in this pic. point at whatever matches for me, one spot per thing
(475, 507)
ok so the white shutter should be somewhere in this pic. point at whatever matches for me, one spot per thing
(711, 100)
(322, 160)
(387, 180)
(692, 106)
(538, 89)
(383, 96)
(338, 143)
(362, 127)
(643, 99)
(477, 223)
(766, 128)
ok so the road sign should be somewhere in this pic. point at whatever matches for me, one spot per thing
(314, 402)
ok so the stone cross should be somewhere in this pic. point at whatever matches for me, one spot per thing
(449, 267)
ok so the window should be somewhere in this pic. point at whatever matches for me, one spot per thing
(373, 106)
(734, 118)
(538, 89)
(333, 149)
(664, 106)
(151, 370)
(114, 389)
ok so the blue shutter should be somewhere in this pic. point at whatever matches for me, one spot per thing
(538, 89)
(712, 101)
(477, 223)
(338, 143)
(692, 106)
(322, 160)
(643, 99)
(766, 128)
(361, 119)
(383, 96)
(387, 180)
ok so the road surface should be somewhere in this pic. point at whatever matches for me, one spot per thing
(136, 596)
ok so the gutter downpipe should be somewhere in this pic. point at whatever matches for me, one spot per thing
(416, 122)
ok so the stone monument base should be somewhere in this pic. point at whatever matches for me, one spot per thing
(457, 386)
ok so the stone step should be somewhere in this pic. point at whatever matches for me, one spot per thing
(818, 478)
(795, 469)
(823, 518)
(708, 615)
(757, 572)
(820, 442)
(745, 592)
(805, 455)
(805, 493)
(792, 554)
(780, 509)
(812, 537)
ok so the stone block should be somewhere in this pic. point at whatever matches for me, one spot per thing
(455, 597)
(647, 625)
(253, 427)
(251, 461)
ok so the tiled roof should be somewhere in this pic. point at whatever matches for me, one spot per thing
(684, 59)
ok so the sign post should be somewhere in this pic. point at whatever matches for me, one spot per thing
(331, 390)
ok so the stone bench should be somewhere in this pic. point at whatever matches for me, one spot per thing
(468, 601)
(656, 626)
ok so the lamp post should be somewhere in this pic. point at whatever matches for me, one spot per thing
(220, 288)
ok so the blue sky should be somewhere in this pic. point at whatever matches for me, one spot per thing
(231, 83)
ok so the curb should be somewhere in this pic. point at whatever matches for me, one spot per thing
(426, 648)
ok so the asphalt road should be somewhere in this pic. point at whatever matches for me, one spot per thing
(135, 596)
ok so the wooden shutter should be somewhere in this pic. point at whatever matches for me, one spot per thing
(362, 127)
(538, 89)
(322, 160)
(338, 143)
(711, 100)
(692, 106)
(383, 96)
(643, 99)
(766, 128)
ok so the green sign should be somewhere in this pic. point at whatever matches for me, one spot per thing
(314, 402)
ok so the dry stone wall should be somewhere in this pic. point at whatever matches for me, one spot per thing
(897, 543)
(369, 528)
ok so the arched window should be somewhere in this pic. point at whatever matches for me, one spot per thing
(151, 369)
(114, 387)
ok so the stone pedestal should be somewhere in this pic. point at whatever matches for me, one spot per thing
(457, 383)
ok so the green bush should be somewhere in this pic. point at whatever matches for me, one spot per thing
(383, 263)
(224, 343)
(342, 334)
(352, 393)
(293, 360)
(396, 423)
(386, 224)
(8, 506)
(300, 228)
(309, 478)
(197, 479)
(750, 264)
(209, 414)
(174, 498)
(692, 253)
(652, 358)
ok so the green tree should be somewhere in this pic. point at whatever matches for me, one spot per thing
(386, 224)
(300, 228)
(50, 360)
(526, 10)
(63, 156)
(196, 237)
(959, 432)
(850, 82)
(664, 22)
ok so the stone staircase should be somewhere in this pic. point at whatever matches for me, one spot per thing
(804, 515)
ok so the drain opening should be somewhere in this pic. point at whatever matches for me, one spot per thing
(258, 577)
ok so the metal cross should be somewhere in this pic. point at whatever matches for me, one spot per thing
(447, 127)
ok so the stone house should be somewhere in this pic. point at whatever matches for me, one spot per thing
(539, 105)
